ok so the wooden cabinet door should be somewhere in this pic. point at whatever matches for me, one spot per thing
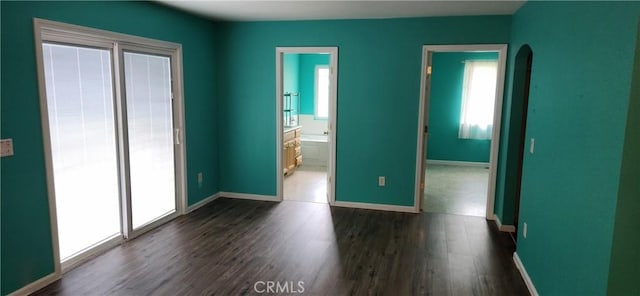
(291, 155)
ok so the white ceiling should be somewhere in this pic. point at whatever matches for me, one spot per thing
(350, 9)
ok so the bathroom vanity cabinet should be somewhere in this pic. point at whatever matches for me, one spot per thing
(292, 150)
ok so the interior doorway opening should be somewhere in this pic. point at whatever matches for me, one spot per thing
(518, 127)
(306, 81)
(459, 128)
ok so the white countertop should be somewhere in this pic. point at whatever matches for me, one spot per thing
(290, 128)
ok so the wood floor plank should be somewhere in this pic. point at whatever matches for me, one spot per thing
(230, 247)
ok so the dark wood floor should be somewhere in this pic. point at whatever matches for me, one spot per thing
(227, 246)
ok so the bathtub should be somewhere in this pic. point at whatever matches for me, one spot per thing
(315, 150)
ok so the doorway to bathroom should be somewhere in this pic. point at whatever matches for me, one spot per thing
(306, 92)
(459, 128)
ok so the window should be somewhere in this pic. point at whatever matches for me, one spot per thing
(478, 100)
(321, 102)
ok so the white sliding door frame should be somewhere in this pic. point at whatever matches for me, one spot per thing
(46, 31)
(127, 208)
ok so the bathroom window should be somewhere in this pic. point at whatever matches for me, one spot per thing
(321, 102)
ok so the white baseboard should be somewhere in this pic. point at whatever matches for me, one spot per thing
(37, 285)
(458, 163)
(248, 196)
(525, 275)
(203, 202)
(370, 206)
(504, 228)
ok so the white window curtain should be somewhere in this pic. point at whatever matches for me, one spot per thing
(478, 100)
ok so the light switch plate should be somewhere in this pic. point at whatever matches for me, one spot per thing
(532, 145)
(6, 147)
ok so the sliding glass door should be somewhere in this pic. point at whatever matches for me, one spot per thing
(82, 131)
(149, 114)
(111, 124)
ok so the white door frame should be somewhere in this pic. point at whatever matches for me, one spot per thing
(51, 31)
(423, 117)
(333, 95)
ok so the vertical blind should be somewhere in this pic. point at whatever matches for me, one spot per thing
(83, 144)
(150, 134)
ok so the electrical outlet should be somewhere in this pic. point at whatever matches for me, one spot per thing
(381, 181)
(6, 147)
(199, 179)
(524, 230)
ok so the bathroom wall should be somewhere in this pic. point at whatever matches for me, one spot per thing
(313, 126)
(307, 72)
(299, 77)
(291, 83)
(291, 74)
(307, 80)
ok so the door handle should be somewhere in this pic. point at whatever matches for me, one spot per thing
(177, 136)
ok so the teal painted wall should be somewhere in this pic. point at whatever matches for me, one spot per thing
(291, 74)
(625, 254)
(308, 63)
(377, 104)
(26, 236)
(583, 56)
(445, 104)
(291, 79)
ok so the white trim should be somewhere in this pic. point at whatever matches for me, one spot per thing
(92, 252)
(202, 203)
(525, 275)
(333, 126)
(371, 206)
(279, 125)
(60, 32)
(503, 228)
(427, 51)
(48, 161)
(153, 224)
(457, 163)
(423, 114)
(37, 285)
(180, 152)
(248, 196)
(332, 121)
